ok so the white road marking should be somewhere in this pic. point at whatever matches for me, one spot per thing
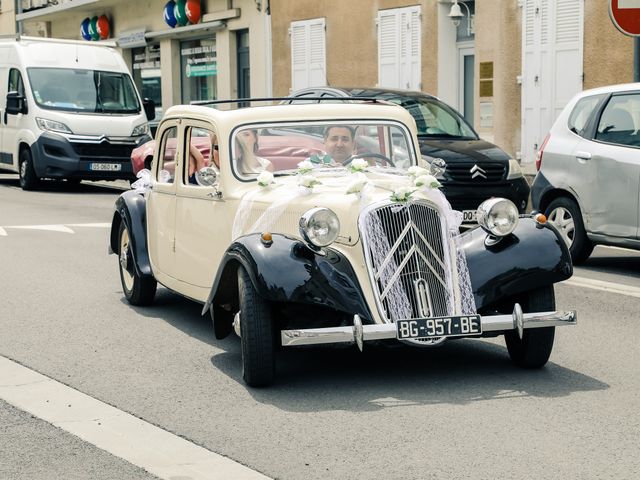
(604, 286)
(161, 453)
(63, 228)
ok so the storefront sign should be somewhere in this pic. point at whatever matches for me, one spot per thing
(201, 70)
(132, 39)
(200, 61)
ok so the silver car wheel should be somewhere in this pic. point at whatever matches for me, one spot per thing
(561, 219)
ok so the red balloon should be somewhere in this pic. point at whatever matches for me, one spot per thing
(193, 11)
(102, 25)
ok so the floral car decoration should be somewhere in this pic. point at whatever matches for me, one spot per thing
(320, 224)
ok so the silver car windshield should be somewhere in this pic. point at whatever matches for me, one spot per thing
(280, 147)
(91, 91)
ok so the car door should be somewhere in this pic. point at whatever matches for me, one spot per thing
(161, 201)
(609, 189)
(11, 124)
(203, 228)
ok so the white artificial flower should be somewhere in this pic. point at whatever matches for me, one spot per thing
(358, 165)
(358, 183)
(416, 171)
(307, 181)
(402, 194)
(265, 178)
(305, 167)
(144, 180)
(427, 181)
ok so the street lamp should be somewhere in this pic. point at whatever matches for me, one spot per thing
(456, 15)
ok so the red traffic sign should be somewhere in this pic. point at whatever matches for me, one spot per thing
(625, 15)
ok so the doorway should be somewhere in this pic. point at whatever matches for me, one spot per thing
(466, 75)
(244, 70)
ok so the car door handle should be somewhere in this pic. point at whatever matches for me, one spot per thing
(583, 155)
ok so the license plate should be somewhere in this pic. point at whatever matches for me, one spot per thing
(105, 167)
(469, 216)
(439, 327)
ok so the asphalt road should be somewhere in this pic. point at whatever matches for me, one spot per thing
(458, 411)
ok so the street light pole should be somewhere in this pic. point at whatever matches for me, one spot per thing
(636, 59)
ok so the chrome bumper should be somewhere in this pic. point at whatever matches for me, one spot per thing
(360, 333)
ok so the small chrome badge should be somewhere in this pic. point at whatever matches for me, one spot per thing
(476, 171)
(423, 297)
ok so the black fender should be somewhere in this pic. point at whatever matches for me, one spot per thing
(531, 257)
(285, 271)
(131, 209)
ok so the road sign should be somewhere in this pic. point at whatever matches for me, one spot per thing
(625, 15)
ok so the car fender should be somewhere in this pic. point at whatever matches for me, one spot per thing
(532, 256)
(285, 271)
(131, 209)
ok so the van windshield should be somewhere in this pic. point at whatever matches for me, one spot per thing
(91, 91)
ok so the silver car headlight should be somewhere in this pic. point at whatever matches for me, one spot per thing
(515, 171)
(319, 226)
(498, 216)
(52, 125)
(140, 130)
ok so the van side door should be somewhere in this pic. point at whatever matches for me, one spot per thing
(12, 123)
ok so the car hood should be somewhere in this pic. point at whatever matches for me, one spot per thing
(478, 151)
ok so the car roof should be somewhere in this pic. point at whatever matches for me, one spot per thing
(365, 92)
(295, 112)
(622, 87)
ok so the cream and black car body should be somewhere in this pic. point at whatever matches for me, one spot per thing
(325, 252)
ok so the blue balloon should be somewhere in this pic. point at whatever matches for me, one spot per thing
(169, 16)
(84, 29)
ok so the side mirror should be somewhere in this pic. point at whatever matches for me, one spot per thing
(207, 177)
(149, 108)
(16, 103)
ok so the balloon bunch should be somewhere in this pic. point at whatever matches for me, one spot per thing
(95, 28)
(181, 12)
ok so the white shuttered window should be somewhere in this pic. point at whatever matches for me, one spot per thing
(399, 35)
(308, 60)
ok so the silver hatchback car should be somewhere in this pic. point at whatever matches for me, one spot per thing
(588, 181)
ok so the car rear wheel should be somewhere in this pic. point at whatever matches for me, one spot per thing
(28, 178)
(534, 348)
(138, 290)
(256, 334)
(564, 214)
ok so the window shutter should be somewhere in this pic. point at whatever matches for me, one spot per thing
(308, 60)
(399, 51)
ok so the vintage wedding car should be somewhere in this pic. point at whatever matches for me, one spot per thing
(286, 245)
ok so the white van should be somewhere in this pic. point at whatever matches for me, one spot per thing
(68, 109)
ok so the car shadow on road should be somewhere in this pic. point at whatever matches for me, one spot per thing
(54, 186)
(628, 265)
(459, 372)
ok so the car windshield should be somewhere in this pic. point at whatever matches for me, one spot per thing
(280, 147)
(91, 91)
(434, 118)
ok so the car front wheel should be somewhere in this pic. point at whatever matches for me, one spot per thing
(28, 178)
(564, 214)
(534, 348)
(256, 334)
(138, 290)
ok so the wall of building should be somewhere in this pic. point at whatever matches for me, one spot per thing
(608, 54)
(351, 40)
(7, 18)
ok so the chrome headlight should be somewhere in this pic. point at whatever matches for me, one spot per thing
(52, 125)
(498, 216)
(319, 226)
(515, 171)
(140, 130)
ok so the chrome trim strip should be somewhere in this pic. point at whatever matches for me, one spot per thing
(387, 331)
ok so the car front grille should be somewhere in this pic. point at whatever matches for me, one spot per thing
(104, 151)
(409, 260)
(475, 172)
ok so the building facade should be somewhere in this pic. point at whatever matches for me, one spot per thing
(223, 53)
(509, 66)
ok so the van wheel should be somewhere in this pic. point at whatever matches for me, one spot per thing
(28, 177)
(534, 348)
(256, 335)
(138, 290)
(564, 214)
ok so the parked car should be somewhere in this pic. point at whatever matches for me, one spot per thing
(287, 252)
(475, 169)
(588, 180)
